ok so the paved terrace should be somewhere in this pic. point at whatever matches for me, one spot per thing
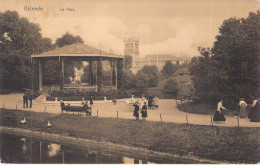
(167, 109)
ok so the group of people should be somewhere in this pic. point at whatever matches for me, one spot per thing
(253, 115)
(143, 111)
(86, 107)
(27, 97)
(152, 104)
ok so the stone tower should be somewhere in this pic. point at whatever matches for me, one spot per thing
(132, 47)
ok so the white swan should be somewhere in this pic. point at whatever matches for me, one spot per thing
(23, 121)
(49, 124)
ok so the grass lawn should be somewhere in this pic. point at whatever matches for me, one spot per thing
(238, 145)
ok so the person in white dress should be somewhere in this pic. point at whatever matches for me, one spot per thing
(219, 115)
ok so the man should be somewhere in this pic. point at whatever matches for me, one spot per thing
(24, 100)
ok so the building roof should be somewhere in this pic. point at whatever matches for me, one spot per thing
(77, 50)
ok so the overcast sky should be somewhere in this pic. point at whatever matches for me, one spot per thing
(162, 26)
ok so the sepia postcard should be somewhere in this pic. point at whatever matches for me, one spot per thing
(129, 81)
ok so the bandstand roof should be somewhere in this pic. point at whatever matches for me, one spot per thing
(77, 51)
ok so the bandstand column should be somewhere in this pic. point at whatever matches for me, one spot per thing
(116, 75)
(61, 73)
(40, 75)
(111, 73)
(90, 73)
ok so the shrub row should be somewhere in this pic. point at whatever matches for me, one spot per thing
(77, 95)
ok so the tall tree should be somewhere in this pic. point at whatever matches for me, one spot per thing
(168, 69)
(128, 61)
(19, 39)
(68, 39)
(232, 68)
(153, 74)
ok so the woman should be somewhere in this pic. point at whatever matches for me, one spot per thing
(242, 105)
(155, 102)
(144, 111)
(219, 115)
(91, 100)
(255, 114)
(136, 110)
(150, 100)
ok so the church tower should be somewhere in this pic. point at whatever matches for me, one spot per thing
(132, 47)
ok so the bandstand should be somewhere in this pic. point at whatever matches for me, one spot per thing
(77, 52)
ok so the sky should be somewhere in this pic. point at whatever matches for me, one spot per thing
(175, 27)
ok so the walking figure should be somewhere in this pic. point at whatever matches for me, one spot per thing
(144, 111)
(255, 114)
(25, 100)
(150, 102)
(219, 115)
(136, 110)
(91, 101)
(242, 108)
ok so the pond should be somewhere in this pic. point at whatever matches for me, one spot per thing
(20, 149)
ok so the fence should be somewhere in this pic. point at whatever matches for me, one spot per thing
(117, 114)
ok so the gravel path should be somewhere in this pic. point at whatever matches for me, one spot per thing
(167, 109)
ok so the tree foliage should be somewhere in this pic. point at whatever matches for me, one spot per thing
(128, 61)
(19, 39)
(171, 86)
(230, 70)
(147, 77)
(68, 39)
(168, 69)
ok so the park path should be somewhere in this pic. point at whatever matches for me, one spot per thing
(167, 109)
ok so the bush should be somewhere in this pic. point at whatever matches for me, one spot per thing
(77, 95)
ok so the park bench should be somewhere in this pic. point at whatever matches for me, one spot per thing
(79, 109)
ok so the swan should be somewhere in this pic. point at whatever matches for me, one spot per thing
(49, 124)
(23, 121)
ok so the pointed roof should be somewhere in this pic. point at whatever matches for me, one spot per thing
(77, 50)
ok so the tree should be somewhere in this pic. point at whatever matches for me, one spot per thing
(168, 69)
(230, 70)
(19, 39)
(68, 39)
(201, 71)
(142, 80)
(171, 86)
(236, 57)
(153, 74)
(128, 79)
(120, 66)
(128, 61)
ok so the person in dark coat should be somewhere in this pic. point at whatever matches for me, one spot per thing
(136, 110)
(144, 111)
(255, 114)
(219, 115)
(91, 101)
(24, 100)
(150, 102)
